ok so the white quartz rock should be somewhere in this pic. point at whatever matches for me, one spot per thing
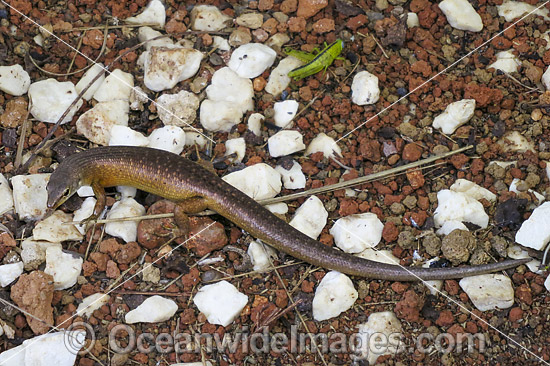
(280, 208)
(506, 62)
(548, 169)
(473, 190)
(220, 43)
(511, 10)
(334, 295)
(517, 252)
(377, 255)
(324, 143)
(219, 116)
(208, 18)
(355, 233)
(513, 141)
(154, 14)
(457, 206)
(87, 78)
(10, 272)
(126, 191)
(450, 226)
(147, 33)
(209, 298)
(126, 230)
(6, 195)
(154, 309)
(54, 229)
(59, 349)
(310, 218)
(169, 138)
(228, 86)
(535, 231)
(137, 98)
(251, 59)
(118, 85)
(519, 185)
(489, 291)
(165, 67)
(50, 98)
(85, 211)
(278, 78)
(285, 143)
(364, 88)
(63, 267)
(85, 191)
(380, 335)
(461, 15)
(195, 138)
(260, 255)
(236, 146)
(92, 303)
(14, 80)
(96, 123)
(285, 112)
(125, 136)
(178, 109)
(455, 115)
(293, 178)
(259, 181)
(33, 252)
(546, 78)
(255, 123)
(412, 20)
(30, 197)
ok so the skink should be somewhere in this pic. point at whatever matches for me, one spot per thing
(178, 179)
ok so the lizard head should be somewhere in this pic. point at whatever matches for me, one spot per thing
(61, 186)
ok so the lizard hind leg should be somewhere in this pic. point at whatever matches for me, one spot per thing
(183, 208)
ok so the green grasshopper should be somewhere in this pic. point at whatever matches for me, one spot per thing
(315, 62)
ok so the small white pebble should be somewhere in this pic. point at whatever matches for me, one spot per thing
(117, 85)
(236, 146)
(364, 88)
(51, 98)
(137, 98)
(546, 79)
(259, 255)
(457, 206)
(516, 183)
(461, 15)
(251, 60)
(259, 181)
(85, 191)
(168, 138)
(310, 218)
(255, 123)
(284, 113)
(6, 195)
(355, 233)
(513, 141)
(208, 18)
(293, 178)
(535, 231)
(30, 197)
(126, 230)
(412, 20)
(85, 211)
(280, 208)
(154, 14)
(148, 33)
(506, 62)
(10, 272)
(450, 226)
(125, 136)
(64, 267)
(455, 115)
(220, 43)
(473, 190)
(380, 335)
(178, 109)
(33, 252)
(219, 116)
(325, 144)
(165, 67)
(250, 20)
(511, 10)
(154, 309)
(278, 78)
(95, 124)
(127, 191)
(285, 142)
(54, 229)
(194, 138)
(14, 80)
(92, 303)
(334, 295)
(489, 291)
(228, 86)
(87, 78)
(209, 298)
(517, 252)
